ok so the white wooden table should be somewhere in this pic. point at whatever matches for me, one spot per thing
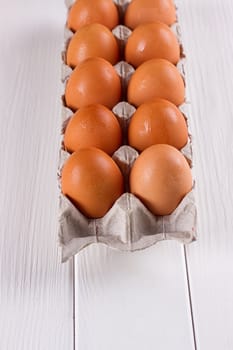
(166, 297)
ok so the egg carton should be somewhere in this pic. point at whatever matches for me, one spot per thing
(128, 225)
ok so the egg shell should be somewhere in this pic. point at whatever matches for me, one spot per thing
(157, 122)
(84, 12)
(92, 181)
(90, 41)
(93, 126)
(93, 81)
(152, 40)
(160, 178)
(147, 11)
(156, 78)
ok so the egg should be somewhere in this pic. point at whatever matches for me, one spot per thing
(160, 178)
(92, 181)
(152, 40)
(85, 12)
(155, 123)
(93, 81)
(156, 78)
(146, 11)
(93, 126)
(90, 41)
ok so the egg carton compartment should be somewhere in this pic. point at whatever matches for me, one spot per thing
(128, 225)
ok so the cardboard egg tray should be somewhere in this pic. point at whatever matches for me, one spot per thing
(128, 225)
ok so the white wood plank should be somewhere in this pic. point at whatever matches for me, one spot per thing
(207, 33)
(35, 289)
(132, 300)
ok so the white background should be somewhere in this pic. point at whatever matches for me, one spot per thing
(160, 298)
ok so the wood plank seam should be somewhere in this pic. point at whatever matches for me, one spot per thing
(187, 274)
(74, 303)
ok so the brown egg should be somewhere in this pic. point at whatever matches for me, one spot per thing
(146, 11)
(152, 40)
(93, 81)
(92, 40)
(92, 181)
(93, 126)
(156, 78)
(160, 178)
(155, 123)
(92, 11)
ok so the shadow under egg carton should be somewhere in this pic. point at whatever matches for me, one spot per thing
(128, 225)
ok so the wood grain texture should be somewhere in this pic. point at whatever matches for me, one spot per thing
(132, 300)
(36, 290)
(141, 299)
(207, 33)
